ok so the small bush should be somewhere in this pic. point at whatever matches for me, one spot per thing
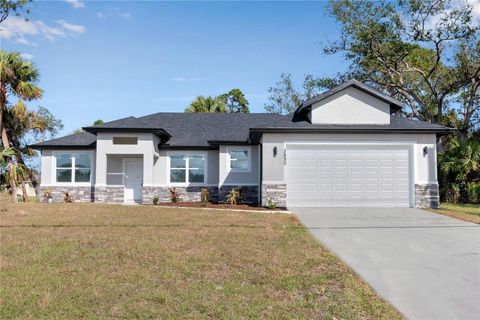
(472, 190)
(453, 193)
(204, 196)
(174, 195)
(233, 196)
(47, 194)
(272, 205)
(155, 200)
(67, 197)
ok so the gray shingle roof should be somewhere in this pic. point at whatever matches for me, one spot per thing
(209, 129)
(76, 140)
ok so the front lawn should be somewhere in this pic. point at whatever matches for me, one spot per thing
(72, 261)
(467, 212)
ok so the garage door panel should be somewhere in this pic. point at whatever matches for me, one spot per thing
(348, 176)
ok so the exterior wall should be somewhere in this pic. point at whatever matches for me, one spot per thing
(193, 193)
(427, 196)
(79, 194)
(105, 146)
(424, 167)
(350, 106)
(226, 177)
(160, 169)
(274, 192)
(109, 194)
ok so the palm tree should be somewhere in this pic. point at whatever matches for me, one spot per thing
(207, 104)
(18, 77)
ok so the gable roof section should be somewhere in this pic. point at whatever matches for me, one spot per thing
(395, 105)
(81, 140)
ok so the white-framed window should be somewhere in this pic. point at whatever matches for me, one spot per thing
(239, 159)
(73, 167)
(187, 168)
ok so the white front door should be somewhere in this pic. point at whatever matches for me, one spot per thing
(348, 176)
(133, 181)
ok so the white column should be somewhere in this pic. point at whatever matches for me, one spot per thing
(148, 168)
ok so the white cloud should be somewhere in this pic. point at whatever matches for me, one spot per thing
(27, 56)
(183, 79)
(110, 12)
(475, 9)
(19, 29)
(75, 28)
(76, 3)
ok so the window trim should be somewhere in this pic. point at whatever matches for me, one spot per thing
(187, 167)
(229, 160)
(73, 168)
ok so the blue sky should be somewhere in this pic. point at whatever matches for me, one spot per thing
(108, 60)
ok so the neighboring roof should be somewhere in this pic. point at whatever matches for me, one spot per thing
(73, 141)
(395, 105)
(209, 130)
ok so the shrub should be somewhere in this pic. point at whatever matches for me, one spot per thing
(453, 193)
(204, 196)
(47, 194)
(271, 204)
(155, 200)
(174, 195)
(233, 196)
(472, 191)
(67, 197)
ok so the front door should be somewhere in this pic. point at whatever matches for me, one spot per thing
(133, 181)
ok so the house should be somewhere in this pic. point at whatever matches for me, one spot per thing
(346, 147)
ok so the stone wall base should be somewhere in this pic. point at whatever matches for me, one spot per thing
(79, 194)
(276, 193)
(249, 194)
(109, 194)
(427, 196)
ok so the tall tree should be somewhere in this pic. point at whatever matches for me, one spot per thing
(18, 77)
(24, 126)
(12, 6)
(425, 53)
(206, 104)
(285, 97)
(235, 101)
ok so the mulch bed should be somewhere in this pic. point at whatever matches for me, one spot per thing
(252, 207)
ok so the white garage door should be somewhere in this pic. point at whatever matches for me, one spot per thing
(347, 176)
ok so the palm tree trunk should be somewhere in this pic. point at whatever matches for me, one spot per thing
(13, 184)
(31, 175)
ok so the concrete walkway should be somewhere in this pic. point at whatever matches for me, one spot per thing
(425, 264)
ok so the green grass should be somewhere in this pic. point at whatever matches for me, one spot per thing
(84, 261)
(467, 212)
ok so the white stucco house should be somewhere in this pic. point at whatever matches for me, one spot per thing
(347, 147)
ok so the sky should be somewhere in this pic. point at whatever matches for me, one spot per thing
(113, 59)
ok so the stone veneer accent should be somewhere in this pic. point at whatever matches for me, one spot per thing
(426, 196)
(187, 194)
(109, 194)
(79, 194)
(275, 192)
(193, 193)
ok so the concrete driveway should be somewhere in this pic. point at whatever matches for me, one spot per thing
(425, 264)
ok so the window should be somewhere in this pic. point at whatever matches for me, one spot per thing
(73, 167)
(187, 168)
(125, 140)
(239, 159)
